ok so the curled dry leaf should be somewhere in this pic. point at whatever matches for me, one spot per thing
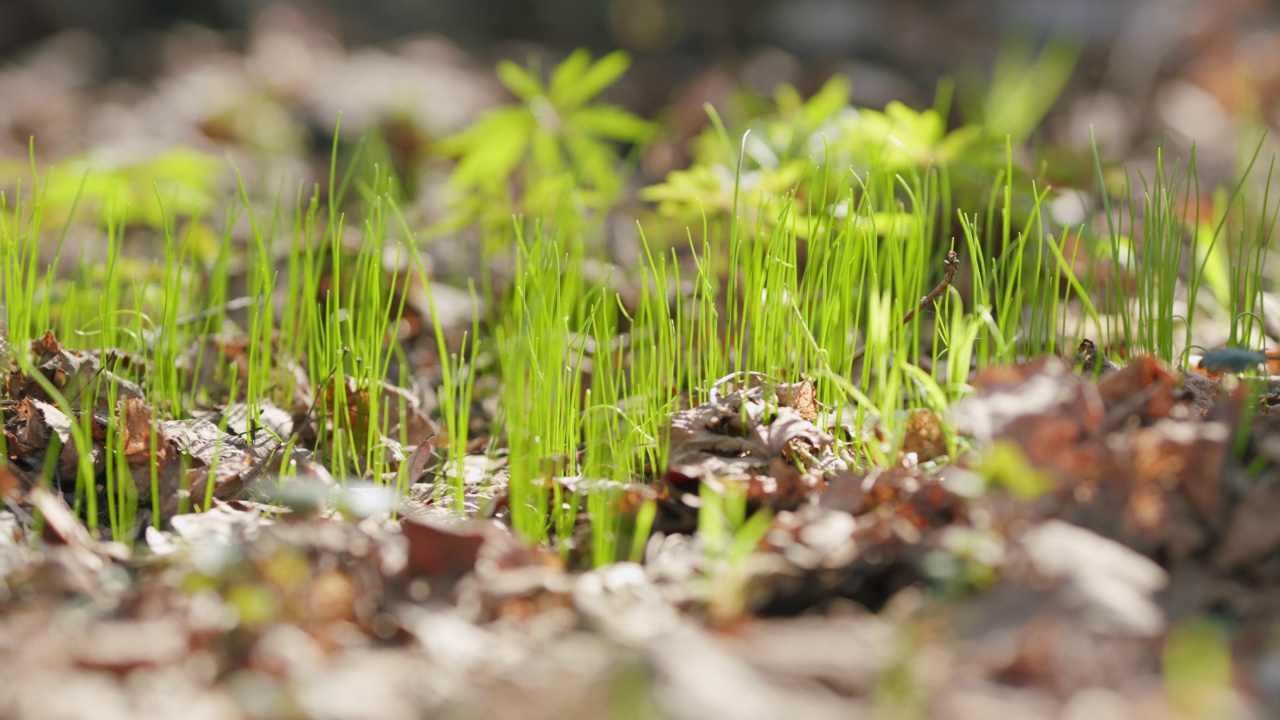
(1092, 360)
(26, 432)
(72, 372)
(225, 456)
(740, 437)
(419, 460)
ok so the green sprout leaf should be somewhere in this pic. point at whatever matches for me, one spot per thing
(519, 81)
(554, 139)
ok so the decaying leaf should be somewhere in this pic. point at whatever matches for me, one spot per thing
(418, 460)
(741, 437)
(1049, 411)
(74, 374)
(923, 435)
(442, 555)
(1143, 390)
(1092, 361)
(1110, 585)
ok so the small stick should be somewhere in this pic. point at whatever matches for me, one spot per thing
(951, 264)
(239, 303)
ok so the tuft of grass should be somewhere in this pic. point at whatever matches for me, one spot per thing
(799, 251)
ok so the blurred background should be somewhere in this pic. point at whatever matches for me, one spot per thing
(271, 76)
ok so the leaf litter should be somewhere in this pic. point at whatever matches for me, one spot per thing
(1153, 502)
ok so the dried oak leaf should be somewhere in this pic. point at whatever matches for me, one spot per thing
(30, 427)
(714, 440)
(147, 451)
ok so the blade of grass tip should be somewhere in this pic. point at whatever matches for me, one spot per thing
(1256, 264)
(721, 133)
(643, 527)
(1236, 193)
(1104, 196)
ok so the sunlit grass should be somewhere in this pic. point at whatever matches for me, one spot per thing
(819, 282)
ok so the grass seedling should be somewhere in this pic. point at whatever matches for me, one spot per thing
(541, 350)
(824, 275)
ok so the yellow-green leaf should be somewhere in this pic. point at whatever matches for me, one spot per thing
(595, 79)
(833, 97)
(491, 162)
(612, 123)
(518, 80)
(567, 75)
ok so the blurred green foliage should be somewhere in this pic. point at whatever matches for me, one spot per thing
(558, 143)
(812, 154)
(1024, 86)
(177, 182)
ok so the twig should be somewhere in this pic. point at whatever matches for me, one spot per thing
(239, 303)
(751, 375)
(951, 264)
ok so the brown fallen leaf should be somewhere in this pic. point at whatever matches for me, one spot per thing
(442, 555)
(923, 435)
(12, 485)
(1092, 360)
(1143, 389)
(72, 372)
(801, 398)
(1199, 393)
(1049, 411)
(739, 437)
(419, 460)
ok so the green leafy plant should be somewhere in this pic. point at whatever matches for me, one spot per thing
(809, 153)
(558, 144)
